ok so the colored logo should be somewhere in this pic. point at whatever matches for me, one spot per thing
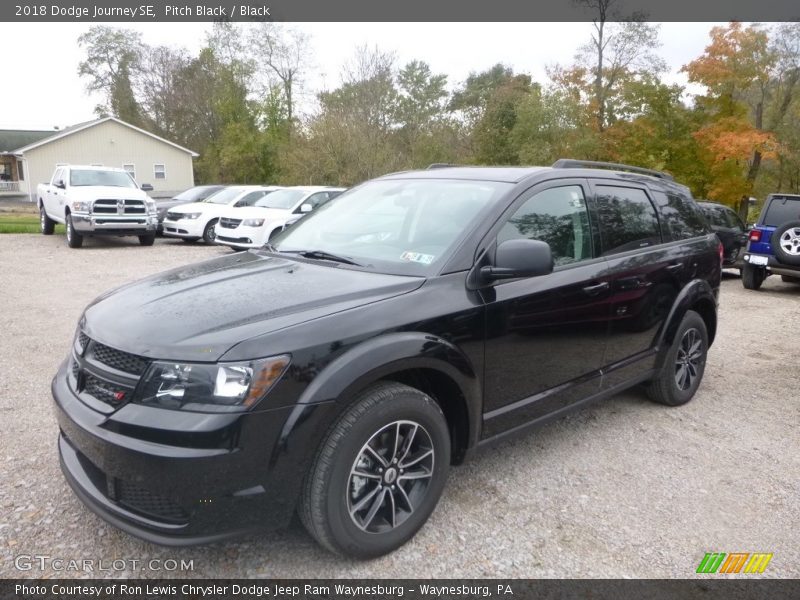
(736, 562)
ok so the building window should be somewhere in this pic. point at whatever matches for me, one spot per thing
(159, 171)
(131, 169)
(20, 172)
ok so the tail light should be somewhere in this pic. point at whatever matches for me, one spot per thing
(755, 235)
(721, 251)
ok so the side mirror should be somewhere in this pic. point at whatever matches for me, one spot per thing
(146, 187)
(60, 184)
(520, 258)
(306, 208)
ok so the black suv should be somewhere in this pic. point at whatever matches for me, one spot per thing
(342, 370)
(730, 230)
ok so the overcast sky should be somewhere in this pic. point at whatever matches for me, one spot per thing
(41, 88)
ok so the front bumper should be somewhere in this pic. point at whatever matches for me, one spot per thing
(206, 481)
(184, 228)
(241, 236)
(89, 224)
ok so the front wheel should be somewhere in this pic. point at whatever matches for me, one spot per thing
(46, 224)
(379, 473)
(684, 363)
(753, 277)
(209, 233)
(147, 240)
(74, 239)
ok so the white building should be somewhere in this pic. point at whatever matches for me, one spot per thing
(28, 158)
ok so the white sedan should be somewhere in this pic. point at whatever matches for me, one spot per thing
(253, 226)
(197, 220)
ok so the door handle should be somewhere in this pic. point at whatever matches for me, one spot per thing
(593, 290)
(674, 268)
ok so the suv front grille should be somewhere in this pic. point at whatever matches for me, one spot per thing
(105, 391)
(118, 207)
(148, 503)
(229, 223)
(117, 359)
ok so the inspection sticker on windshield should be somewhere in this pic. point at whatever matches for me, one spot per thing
(425, 259)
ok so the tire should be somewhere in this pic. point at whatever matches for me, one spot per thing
(786, 243)
(789, 279)
(331, 491)
(209, 235)
(684, 363)
(46, 224)
(74, 239)
(753, 277)
(147, 240)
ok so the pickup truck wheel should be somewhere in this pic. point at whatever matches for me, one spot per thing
(753, 277)
(74, 239)
(46, 224)
(147, 240)
(786, 243)
(379, 473)
(684, 364)
(209, 235)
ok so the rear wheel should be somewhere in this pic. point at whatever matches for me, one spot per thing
(753, 277)
(74, 239)
(209, 234)
(379, 473)
(684, 364)
(147, 240)
(46, 224)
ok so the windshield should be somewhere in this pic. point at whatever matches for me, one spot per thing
(396, 226)
(224, 196)
(196, 194)
(285, 199)
(84, 177)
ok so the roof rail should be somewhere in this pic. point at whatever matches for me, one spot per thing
(441, 166)
(569, 163)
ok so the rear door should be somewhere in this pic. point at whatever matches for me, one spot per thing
(644, 273)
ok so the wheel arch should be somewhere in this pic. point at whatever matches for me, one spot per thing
(698, 296)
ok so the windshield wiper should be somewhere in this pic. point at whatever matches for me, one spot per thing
(322, 255)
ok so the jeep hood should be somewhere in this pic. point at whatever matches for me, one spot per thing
(199, 311)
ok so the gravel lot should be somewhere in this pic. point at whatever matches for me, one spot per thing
(625, 488)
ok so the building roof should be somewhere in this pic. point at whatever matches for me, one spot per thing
(11, 139)
(51, 136)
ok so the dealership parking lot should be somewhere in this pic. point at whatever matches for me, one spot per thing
(625, 488)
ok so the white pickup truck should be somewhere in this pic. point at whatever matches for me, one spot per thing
(94, 201)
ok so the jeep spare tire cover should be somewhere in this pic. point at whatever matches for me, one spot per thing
(786, 243)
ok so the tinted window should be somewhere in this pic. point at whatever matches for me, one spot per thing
(557, 216)
(627, 219)
(251, 198)
(681, 217)
(782, 210)
(715, 215)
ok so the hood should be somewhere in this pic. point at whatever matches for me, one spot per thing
(200, 207)
(257, 212)
(94, 192)
(198, 312)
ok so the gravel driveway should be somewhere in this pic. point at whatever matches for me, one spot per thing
(625, 488)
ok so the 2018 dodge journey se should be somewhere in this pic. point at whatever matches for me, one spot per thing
(340, 371)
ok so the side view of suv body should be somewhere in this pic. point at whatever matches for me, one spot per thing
(730, 230)
(774, 246)
(341, 370)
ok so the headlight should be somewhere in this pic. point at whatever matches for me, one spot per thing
(151, 206)
(189, 216)
(81, 206)
(253, 222)
(223, 387)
